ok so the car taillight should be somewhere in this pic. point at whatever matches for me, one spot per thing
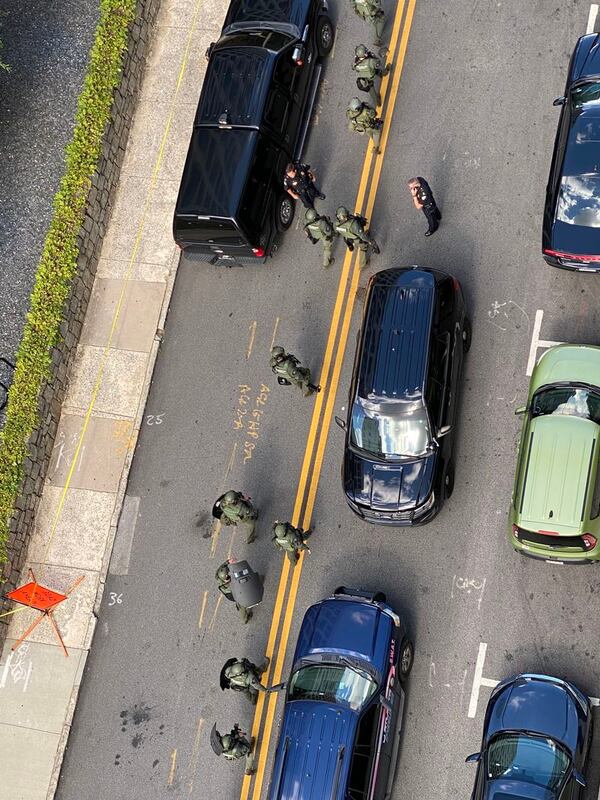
(549, 533)
(516, 531)
(589, 541)
(570, 256)
(258, 251)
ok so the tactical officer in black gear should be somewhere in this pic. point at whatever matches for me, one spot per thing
(299, 182)
(424, 200)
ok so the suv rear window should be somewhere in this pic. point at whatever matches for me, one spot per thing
(210, 230)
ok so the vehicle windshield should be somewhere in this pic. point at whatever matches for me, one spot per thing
(567, 401)
(579, 194)
(332, 683)
(530, 759)
(390, 429)
(584, 93)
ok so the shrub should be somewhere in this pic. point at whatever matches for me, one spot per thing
(58, 263)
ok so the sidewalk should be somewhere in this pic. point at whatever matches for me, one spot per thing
(104, 407)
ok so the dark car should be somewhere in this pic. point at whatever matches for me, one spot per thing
(536, 738)
(252, 118)
(571, 230)
(340, 732)
(398, 460)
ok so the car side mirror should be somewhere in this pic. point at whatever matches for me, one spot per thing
(443, 430)
(560, 101)
(209, 50)
(579, 778)
(473, 758)
(298, 55)
(341, 422)
(520, 410)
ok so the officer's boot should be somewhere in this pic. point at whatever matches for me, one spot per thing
(264, 666)
(250, 759)
(251, 525)
(245, 613)
(375, 134)
(292, 556)
(328, 258)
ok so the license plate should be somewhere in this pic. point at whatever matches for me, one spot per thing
(552, 561)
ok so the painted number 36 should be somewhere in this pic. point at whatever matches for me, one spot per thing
(115, 599)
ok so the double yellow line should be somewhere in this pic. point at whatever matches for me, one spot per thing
(321, 419)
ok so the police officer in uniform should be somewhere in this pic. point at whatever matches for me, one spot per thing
(241, 675)
(424, 200)
(288, 368)
(236, 508)
(353, 230)
(371, 11)
(223, 579)
(320, 228)
(235, 745)
(362, 118)
(368, 68)
(290, 539)
(299, 182)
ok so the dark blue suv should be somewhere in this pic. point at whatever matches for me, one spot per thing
(536, 738)
(340, 733)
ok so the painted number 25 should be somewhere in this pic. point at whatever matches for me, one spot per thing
(154, 419)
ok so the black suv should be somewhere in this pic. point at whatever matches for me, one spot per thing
(398, 465)
(252, 118)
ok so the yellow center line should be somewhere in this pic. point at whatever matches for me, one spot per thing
(278, 668)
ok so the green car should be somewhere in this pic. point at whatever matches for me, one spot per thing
(555, 508)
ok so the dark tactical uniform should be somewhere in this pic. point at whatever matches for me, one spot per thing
(244, 676)
(302, 184)
(430, 209)
(287, 367)
(224, 585)
(235, 745)
(319, 228)
(290, 539)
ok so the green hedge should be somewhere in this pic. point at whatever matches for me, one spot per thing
(58, 262)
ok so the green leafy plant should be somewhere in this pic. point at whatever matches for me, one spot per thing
(58, 263)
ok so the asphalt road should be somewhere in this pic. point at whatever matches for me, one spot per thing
(474, 115)
(46, 43)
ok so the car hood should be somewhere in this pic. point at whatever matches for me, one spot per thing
(314, 737)
(388, 486)
(349, 628)
(537, 705)
(586, 60)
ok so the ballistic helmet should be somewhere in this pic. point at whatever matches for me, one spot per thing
(277, 351)
(360, 51)
(230, 496)
(354, 105)
(342, 213)
(310, 215)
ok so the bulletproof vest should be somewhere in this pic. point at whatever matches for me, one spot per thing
(424, 197)
(364, 8)
(236, 675)
(285, 367)
(366, 67)
(345, 229)
(319, 229)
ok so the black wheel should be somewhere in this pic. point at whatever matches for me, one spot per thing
(466, 335)
(324, 36)
(407, 656)
(284, 215)
(449, 480)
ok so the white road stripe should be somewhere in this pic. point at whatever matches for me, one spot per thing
(535, 339)
(592, 18)
(477, 680)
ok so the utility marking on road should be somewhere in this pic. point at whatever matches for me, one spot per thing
(215, 612)
(462, 586)
(123, 544)
(215, 538)
(274, 333)
(252, 329)
(330, 393)
(18, 667)
(203, 608)
(231, 540)
(172, 768)
(537, 343)
(477, 680)
(193, 765)
(591, 23)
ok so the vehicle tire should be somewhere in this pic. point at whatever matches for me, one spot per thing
(284, 214)
(325, 35)
(449, 480)
(407, 656)
(379, 597)
(466, 335)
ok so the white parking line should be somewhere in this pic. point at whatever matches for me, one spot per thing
(536, 342)
(592, 18)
